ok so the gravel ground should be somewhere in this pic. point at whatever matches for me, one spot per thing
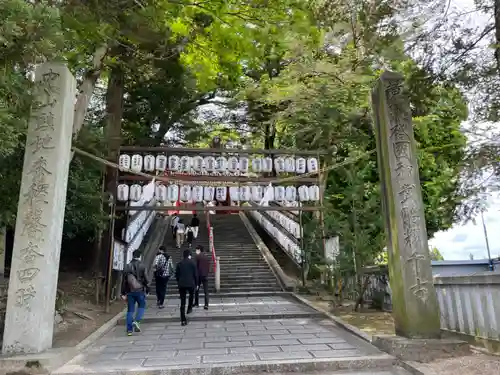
(476, 364)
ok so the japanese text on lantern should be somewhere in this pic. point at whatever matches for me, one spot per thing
(35, 198)
(401, 142)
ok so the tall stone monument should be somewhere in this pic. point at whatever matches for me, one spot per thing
(415, 305)
(37, 245)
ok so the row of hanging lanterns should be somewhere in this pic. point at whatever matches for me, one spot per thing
(233, 164)
(207, 193)
(290, 225)
(290, 246)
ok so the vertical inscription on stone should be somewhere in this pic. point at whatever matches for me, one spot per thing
(401, 144)
(36, 196)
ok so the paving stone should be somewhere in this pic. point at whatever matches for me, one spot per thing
(284, 356)
(336, 353)
(307, 348)
(131, 348)
(342, 346)
(323, 340)
(118, 364)
(204, 339)
(275, 342)
(189, 345)
(250, 338)
(227, 358)
(256, 349)
(149, 354)
(175, 361)
(232, 344)
(294, 336)
(197, 352)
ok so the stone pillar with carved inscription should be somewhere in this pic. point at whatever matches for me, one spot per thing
(40, 215)
(415, 305)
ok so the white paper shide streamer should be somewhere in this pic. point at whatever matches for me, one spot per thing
(135, 192)
(122, 192)
(136, 164)
(124, 161)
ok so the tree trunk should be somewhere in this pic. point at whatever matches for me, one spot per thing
(360, 300)
(114, 104)
(497, 34)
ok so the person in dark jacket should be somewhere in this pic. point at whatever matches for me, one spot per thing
(135, 286)
(163, 270)
(202, 268)
(195, 225)
(186, 276)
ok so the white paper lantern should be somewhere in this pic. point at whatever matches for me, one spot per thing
(185, 193)
(173, 163)
(221, 193)
(234, 193)
(122, 192)
(208, 193)
(149, 163)
(243, 164)
(257, 165)
(185, 164)
(290, 193)
(245, 193)
(312, 165)
(300, 165)
(161, 193)
(304, 193)
(232, 164)
(314, 193)
(221, 164)
(136, 165)
(124, 161)
(268, 193)
(197, 193)
(161, 163)
(267, 164)
(173, 193)
(135, 192)
(290, 164)
(279, 193)
(279, 164)
(197, 163)
(210, 164)
(257, 193)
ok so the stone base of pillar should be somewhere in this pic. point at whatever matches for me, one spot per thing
(421, 350)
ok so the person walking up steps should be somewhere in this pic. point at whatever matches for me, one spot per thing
(185, 273)
(173, 224)
(189, 236)
(135, 286)
(179, 235)
(202, 268)
(163, 269)
(195, 225)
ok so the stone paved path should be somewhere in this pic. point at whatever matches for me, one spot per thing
(206, 347)
(233, 308)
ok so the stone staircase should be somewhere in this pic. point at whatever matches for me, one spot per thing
(243, 269)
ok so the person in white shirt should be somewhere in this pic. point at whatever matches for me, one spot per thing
(179, 234)
(173, 224)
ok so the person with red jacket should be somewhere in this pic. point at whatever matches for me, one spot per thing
(203, 267)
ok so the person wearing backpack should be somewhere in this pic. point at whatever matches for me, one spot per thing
(163, 269)
(135, 286)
